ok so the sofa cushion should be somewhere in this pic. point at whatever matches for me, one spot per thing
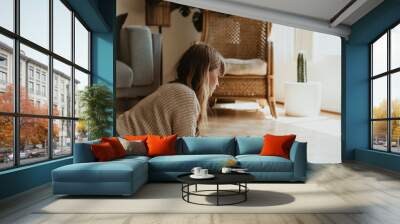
(134, 147)
(111, 171)
(83, 152)
(249, 145)
(116, 145)
(277, 145)
(257, 163)
(206, 145)
(185, 163)
(132, 158)
(161, 145)
(103, 152)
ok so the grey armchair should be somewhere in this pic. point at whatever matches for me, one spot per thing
(138, 67)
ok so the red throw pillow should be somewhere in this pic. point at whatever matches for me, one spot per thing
(116, 145)
(277, 145)
(135, 137)
(161, 145)
(103, 152)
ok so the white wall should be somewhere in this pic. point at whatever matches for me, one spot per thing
(176, 38)
(323, 54)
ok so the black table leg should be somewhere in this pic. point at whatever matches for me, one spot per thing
(245, 193)
(217, 194)
(188, 190)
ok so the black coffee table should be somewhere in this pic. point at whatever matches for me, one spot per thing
(238, 179)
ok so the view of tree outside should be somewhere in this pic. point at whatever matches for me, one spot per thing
(33, 131)
(380, 138)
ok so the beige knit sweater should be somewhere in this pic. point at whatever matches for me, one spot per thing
(172, 109)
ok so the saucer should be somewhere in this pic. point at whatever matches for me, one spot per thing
(208, 176)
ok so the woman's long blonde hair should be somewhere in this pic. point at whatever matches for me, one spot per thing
(192, 70)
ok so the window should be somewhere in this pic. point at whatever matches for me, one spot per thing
(61, 74)
(3, 61)
(62, 31)
(7, 14)
(6, 142)
(30, 72)
(35, 21)
(44, 91)
(81, 81)
(30, 87)
(81, 45)
(385, 91)
(6, 73)
(3, 78)
(49, 79)
(37, 74)
(38, 89)
(62, 137)
(3, 72)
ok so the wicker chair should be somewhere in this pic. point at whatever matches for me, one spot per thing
(242, 38)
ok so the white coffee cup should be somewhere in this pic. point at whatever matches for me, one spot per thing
(203, 172)
(196, 171)
(226, 170)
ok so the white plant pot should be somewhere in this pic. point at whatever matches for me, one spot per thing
(302, 99)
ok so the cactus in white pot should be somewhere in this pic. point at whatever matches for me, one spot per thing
(301, 68)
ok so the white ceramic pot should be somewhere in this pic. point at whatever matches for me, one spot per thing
(302, 99)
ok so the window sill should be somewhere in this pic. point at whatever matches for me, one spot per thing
(26, 167)
(382, 159)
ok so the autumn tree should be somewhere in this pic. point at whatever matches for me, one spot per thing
(380, 127)
(33, 131)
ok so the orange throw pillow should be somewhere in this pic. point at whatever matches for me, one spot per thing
(161, 145)
(103, 152)
(277, 145)
(116, 145)
(135, 137)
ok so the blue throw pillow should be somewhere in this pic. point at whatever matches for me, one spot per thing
(206, 145)
(249, 145)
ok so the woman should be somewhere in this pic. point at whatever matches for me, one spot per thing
(181, 106)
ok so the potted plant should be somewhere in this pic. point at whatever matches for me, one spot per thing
(96, 103)
(301, 68)
(302, 98)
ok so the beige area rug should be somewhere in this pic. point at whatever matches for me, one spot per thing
(166, 198)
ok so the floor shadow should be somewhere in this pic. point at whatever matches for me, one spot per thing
(255, 198)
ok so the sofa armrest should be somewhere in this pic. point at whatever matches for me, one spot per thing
(298, 155)
(83, 152)
(124, 75)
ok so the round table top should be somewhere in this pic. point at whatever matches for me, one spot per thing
(220, 178)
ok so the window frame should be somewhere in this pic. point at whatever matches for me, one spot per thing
(388, 74)
(16, 114)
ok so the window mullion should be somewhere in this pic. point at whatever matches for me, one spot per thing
(16, 69)
(50, 81)
(73, 82)
(389, 104)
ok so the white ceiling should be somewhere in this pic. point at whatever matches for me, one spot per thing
(314, 15)
(319, 9)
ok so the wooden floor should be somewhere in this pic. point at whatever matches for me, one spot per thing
(378, 190)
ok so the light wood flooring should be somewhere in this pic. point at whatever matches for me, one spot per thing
(377, 189)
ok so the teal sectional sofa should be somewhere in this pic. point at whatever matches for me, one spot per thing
(125, 176)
